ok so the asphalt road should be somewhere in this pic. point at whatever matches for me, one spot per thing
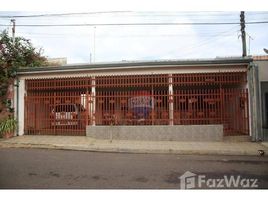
(59, 169)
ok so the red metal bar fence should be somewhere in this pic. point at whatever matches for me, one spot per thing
(65, 106)
(57, 106)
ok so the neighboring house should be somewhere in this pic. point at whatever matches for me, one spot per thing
(261, 64)
(56, 61)
(159, 100)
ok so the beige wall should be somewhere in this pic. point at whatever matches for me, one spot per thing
(263, 69)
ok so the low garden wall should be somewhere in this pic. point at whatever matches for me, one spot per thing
(158, 133)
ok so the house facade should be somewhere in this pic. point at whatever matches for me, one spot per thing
(176, 100)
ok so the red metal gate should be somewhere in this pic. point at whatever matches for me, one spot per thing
(212, 98)
(57, 106)
(66, 106)
(213, 106)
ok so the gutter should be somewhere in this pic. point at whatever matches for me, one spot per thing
(133, 65)
(66, 70)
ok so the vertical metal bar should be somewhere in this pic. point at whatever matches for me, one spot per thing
(171, 104)
(54, 118)
(93, 94)
(153, 103)
(87, 114)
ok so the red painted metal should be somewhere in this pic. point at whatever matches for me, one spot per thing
(57, 106)
(65, 106)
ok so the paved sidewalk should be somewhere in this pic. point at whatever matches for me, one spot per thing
(173, 147)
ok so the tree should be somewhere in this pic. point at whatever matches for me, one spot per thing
(14, 55)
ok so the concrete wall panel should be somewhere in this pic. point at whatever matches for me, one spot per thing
(158, 133)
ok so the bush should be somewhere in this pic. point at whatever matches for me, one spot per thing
(14, 54)
(7, 126)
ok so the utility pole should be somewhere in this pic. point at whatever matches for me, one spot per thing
(243, 33)
(13, 30)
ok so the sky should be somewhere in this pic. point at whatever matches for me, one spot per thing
(89, 44)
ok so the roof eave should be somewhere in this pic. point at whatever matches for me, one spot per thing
(128, 65)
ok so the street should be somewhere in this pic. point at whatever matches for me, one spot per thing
(60, 169)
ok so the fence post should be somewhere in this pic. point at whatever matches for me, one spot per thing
(221, 104)
(87, 108)
(93, 94)
(171, 105)
(54, 107)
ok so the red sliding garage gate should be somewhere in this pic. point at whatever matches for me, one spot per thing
(65, 106)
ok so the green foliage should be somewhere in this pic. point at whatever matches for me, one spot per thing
(7, 102)
(13, 55)
(8, 125)
(19, 53)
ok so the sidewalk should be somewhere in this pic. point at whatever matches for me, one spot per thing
(172, 147)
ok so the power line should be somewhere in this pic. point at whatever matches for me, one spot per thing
(121, 36)
(181, 14)
(76, 34)
(61, 14)
(195, 13)
(139, 24)
(207, 41)
(198, 47)
(112, 12)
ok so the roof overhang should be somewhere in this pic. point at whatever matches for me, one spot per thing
(237, 61)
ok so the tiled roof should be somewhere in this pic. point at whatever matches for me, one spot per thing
(260, 57)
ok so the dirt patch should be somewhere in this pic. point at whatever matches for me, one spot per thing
(173, 178)
(54, 174)
(32, 174)
(141, 179)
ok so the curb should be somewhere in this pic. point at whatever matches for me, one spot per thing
(134, 151)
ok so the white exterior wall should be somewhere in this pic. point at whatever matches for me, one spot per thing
(263, 70)
(15, 102)
(19, 101)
